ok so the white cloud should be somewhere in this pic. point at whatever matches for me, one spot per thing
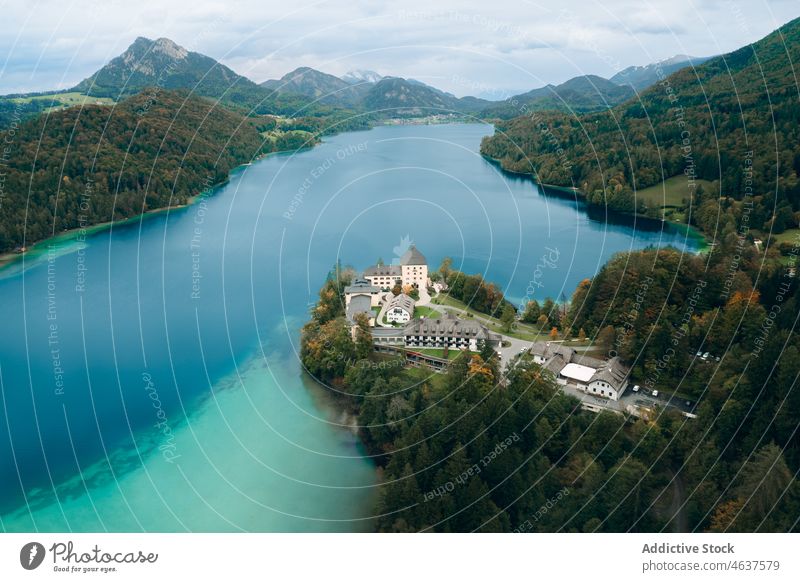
(498, 46)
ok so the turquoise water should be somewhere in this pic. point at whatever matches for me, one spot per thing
(149, 376)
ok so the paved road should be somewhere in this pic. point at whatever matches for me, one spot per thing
(457, 310)
(516, 346)
(385, 304)
(424, 297)
(506, 353)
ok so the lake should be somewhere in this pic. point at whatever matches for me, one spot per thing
(150, 377)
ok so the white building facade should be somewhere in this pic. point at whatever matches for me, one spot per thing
(412, 271)
(400, 309)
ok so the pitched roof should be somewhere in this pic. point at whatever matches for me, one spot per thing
(359, 304)
(448, 326)
(560, 359)
(413, 257)
(361, 286)
(548, 350)
(402, 301)
(382, 271)
(555, 364)
(614, 372)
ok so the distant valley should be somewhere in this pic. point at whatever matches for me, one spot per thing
(162, 64)
(159, 80)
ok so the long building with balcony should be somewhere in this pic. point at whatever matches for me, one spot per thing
(448, 331)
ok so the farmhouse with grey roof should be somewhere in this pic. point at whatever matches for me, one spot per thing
(360, 304)
(608, 379)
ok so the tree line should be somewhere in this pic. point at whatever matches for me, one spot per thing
(482, 449)
(733, 120)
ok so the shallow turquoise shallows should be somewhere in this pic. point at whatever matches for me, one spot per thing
(150, 378)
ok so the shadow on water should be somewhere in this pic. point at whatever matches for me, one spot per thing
(595, 213)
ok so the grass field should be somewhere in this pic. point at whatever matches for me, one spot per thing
(521, 330)
(426, 311)
(671, 192)
(787, 236)
(68, 99)
(437, 353)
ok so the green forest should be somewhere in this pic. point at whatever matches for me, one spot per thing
(86, 165)
(483, 449)
(83, 166)
(733, 120)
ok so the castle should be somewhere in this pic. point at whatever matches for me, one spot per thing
(412, 271)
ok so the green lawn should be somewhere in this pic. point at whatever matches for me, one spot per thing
(445, 299)
(69, 99)
(521, 330)
(426, 311)
(787, 236)
(671, 192)
(437, 352)
(274, 134)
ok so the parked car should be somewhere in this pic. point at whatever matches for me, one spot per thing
(636, 388)
(705, 356)
(655, 393)
(698, 354)
(717, 358)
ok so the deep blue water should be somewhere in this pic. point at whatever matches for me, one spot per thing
(158, 388)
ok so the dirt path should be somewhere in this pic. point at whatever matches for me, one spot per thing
(677, 507)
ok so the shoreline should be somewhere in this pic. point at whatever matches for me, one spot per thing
(689, 230)
(11, 257)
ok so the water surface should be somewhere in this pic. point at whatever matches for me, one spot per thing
(149, 377)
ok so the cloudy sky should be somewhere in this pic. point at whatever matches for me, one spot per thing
(488, 48)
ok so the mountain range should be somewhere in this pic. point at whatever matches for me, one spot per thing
(163, 64)
(641, 77)
(733, 120)
(320, 86)
(638, 137)
(579, 95)
(383, 96)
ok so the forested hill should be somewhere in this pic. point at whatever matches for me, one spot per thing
(150, 151)
(701, 122)
(578, 95)
(482, 449)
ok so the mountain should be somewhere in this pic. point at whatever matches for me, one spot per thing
(114, 162)
(394, 96)
(366, 90)
(734, 119)
(639, 78)
(319, 86)
(361, 76)
(579, 95)
(162, 64)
